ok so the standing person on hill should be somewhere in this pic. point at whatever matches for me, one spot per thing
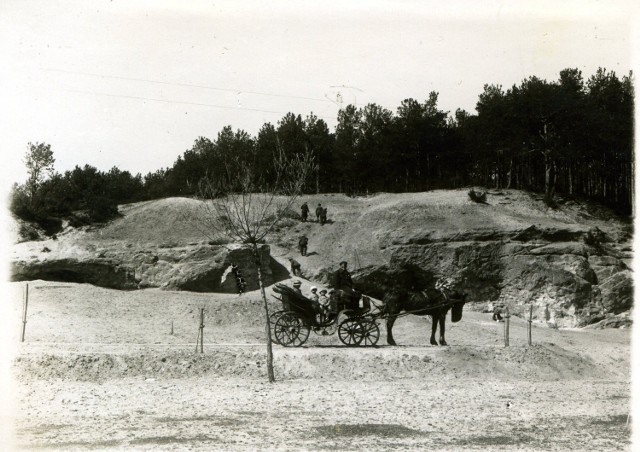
(295, 267)
(302, 245)
(318, 212)
(304, 211)
(323, 216)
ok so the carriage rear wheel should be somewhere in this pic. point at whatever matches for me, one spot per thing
(290, 331)
(350, 332)
(272, 321)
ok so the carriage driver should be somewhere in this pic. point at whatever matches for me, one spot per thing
(343, 284)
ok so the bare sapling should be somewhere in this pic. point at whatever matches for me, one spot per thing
(25, 306)
(245, 202)
(507, 316)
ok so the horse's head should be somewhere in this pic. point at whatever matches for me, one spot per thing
(456, 309)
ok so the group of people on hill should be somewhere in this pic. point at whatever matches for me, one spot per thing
(321, 217)
(321, 213)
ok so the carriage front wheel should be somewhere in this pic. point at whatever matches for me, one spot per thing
(350, 332)
(370, 333)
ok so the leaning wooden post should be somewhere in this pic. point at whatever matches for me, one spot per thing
(201, 330)
(506, 327)
(530, 320)
(24, 312)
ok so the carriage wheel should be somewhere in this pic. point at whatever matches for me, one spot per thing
(350, 332)
(370, 333)
(303, 335)
(274, 316)
(286, 330)
(272, 321)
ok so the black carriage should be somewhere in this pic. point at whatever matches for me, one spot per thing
(349, 316)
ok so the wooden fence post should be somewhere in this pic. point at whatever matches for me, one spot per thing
(506, 327)
(25, 306)
(530, 320)
(201, 330)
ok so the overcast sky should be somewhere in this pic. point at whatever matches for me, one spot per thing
(133, 83)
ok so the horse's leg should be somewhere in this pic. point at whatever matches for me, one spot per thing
(441, 320)
(434, 326)
(391, 319)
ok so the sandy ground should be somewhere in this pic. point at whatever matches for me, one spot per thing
(101, 370)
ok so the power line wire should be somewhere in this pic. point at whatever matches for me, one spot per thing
(233, 90)
(176, 102)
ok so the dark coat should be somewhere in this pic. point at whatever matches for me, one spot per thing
(342, 279)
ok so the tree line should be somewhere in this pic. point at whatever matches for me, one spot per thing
(571, 137)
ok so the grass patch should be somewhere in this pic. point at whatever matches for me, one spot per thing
(358, 430)
(494, 440)
(618, 419)
(40, 429)
(216, 420)
(76, 444)
(162, 440)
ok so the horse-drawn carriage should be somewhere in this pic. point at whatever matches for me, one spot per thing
(350, 316)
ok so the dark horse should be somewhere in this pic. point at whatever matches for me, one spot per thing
(433, 302)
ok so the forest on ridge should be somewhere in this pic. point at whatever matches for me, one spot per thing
(570, 137)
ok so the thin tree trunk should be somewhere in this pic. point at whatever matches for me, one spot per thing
(570, 180)
(267, 324)
(549, 176)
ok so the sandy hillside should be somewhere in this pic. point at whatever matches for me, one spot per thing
(356, 225)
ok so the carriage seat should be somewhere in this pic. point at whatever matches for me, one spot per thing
(296, 302)
(341, 300)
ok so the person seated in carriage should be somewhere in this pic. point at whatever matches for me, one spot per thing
(324, 300)
(296, 286)
(344, 291)
(324, 303)
(313, 294)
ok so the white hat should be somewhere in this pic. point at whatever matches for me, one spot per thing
(313, 288)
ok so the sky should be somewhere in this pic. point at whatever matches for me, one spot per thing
(133, 83)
